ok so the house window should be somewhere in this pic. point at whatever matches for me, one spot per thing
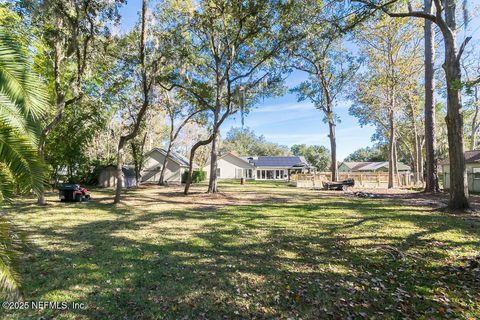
(217, 173)
(259, 174)
(278, 174)
(263, 174)
(248, 173)
(238, 173)
(476, 173)
(270, 174)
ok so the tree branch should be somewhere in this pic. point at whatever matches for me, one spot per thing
(462, 48)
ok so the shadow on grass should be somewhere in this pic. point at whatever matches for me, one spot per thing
(334, 258)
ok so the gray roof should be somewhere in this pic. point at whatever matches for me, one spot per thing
(283, 161)
(472, 156)
(374, 166)
(178, 158)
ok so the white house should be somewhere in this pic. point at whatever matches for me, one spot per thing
(472, 164)
(231, 166)
(176, 166)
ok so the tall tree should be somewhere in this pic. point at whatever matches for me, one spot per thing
(444, 16)
(330, 67)
(70, 30)
(317, 156)
(236, 44)
(391, 47)
(431, 177)
(368, 154)
(146, 82)
(245, 142)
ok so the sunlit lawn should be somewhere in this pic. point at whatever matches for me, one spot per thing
(255, 251)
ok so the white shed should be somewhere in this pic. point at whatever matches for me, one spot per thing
(176, 166)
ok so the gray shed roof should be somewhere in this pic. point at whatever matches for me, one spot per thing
(178, 158)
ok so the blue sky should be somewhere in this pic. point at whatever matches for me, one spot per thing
(284, 120)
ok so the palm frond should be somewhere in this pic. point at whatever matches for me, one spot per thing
(23, 101)
(18, 82)
(11, 241)
(10, 115)
(20, 157)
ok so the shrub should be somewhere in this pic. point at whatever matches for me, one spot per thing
(197, 176)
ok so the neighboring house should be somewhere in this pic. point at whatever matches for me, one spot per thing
(108, 177)
(176, 166)
(231, 166)
(381, 166)
(472, 163)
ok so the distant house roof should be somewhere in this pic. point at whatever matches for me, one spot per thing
(233, 154)
(354, 165)
(373, 166)
(270, 161)
(178, 158)
(281, 161)
(472, 156)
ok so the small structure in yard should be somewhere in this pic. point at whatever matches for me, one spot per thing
(232, 166)
(472, 164)
(379, 166)
(108, 177)
(153, 163)
(362, 179)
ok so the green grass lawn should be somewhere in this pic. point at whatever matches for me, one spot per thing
(253, 251)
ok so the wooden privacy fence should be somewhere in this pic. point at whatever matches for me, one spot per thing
(362, 179)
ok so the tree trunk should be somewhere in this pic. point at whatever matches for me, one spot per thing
(212, 183)
(137, 154)
(475, 125)
(41, 154)
(395, 161)
(417, 149)
(119, 172)
(391, 153)
(458, 177)
(420, 160)
(164, 165)
(333, 149)
(431, 178)
(192, 157)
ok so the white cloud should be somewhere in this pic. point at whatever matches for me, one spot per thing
(283, 107)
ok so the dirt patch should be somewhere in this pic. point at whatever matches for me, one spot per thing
(199, 198)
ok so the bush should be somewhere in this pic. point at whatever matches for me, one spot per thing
(197, 176)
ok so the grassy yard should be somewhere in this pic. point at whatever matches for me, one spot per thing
(253, 251)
